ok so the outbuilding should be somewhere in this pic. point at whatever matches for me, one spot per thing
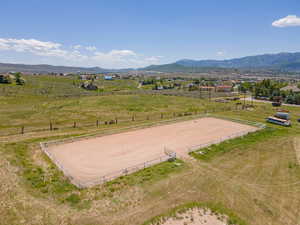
(108, 78)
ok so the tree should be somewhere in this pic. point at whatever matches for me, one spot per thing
(19, 79)
(290, 99)
(297, 99)
(5, 79)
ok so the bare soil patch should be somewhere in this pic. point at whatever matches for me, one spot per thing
(196, 217)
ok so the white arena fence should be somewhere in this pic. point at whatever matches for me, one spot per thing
(170, 156)
(122, 129)
(167, 156)
(205, 145)
(57, 163)
(259, 126)
(247, 122)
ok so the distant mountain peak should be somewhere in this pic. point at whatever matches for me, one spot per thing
(284, 61)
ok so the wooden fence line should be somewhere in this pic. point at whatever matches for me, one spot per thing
(22, 129)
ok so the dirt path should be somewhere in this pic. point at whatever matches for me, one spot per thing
(268, 102)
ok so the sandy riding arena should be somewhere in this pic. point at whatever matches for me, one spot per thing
(88, 161)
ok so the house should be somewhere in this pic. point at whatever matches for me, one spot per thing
(207, 88)
(6, 78)
(86, 77)
(292, 88)
(89, 86)
(224, 88)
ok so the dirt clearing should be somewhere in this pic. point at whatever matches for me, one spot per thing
(88, 160)
(196, 217)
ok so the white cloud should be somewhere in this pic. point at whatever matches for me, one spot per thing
(153, 59)
(220, 53)
(35, 47)
(3, 46)
(123, 58)
(121, 53)
(288, 21)
(91, 48)
(58, 54)
(77, 46)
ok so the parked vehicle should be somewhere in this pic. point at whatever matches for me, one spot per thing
(276, 104)
(278, 121)
(282, 115)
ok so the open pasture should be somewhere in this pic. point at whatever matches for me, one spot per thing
(256, 177)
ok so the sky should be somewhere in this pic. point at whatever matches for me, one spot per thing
(138, 33)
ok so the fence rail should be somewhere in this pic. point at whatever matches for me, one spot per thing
(248, 122)
(75, 92)
(167, 156)
(131, 169)
(105, 122)
(57, 163)
(259, 126)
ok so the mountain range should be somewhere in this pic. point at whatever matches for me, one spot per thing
(281, 62)
(289, 62)
(273, 61)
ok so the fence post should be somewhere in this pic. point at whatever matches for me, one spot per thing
(133, 118)
(97, 123)
(50, 126)
(74, 125)
(161, 116)
(116, 119)
(22, 130)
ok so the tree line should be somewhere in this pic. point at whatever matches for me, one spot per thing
(272, 90)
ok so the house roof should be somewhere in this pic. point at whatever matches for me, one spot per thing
(207, 87)
(224, 86)
(290, 88)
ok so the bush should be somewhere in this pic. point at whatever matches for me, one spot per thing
(19, 79)
(73, 199)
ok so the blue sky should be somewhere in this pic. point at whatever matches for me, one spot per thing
(132, 33)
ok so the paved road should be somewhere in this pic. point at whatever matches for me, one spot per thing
(268, 102)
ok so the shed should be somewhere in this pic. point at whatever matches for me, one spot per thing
(108, 78)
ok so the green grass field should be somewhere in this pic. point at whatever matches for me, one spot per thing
(257, 177)
(25, 106)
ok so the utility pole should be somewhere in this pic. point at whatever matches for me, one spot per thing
(200, 91)
(244, 99)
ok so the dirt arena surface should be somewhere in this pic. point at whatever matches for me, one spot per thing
(196, 217)
(89, 160)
